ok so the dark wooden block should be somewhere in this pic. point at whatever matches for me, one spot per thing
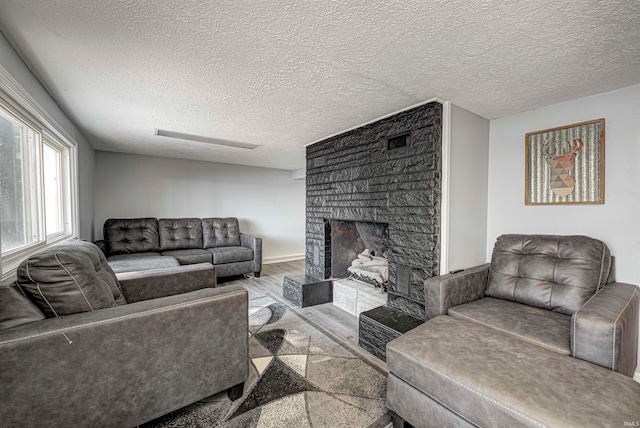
(380, 326)
(304, 290)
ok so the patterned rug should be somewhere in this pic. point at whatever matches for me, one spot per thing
(299, 377)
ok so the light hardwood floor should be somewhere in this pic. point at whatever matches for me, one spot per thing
(334, 322)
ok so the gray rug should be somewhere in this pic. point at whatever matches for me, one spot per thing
(299, 377)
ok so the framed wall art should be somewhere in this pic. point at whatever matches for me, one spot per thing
(565, 165)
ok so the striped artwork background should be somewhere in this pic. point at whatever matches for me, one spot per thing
(587, 164)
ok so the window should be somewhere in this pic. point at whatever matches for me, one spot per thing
(35, 187)
(18, 183)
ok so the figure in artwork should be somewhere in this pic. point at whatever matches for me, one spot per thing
(562, 165)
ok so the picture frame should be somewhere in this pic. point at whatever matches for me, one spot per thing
(565, 165)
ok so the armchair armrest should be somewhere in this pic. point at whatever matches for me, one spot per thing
(445, 291)
(139, 360)
(604, 330)
(162, 282)
(255, 244)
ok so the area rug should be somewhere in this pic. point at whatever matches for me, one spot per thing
(299, 377)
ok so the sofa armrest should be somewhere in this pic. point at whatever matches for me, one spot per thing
(162, 282)
(125, 365)
(604, 330)
(445, 291)
(255, 244)
(103, 247)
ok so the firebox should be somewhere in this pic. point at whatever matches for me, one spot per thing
(357, 249)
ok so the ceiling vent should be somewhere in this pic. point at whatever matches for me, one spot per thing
(208, 140)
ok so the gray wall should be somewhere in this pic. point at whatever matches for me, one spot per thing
(468, 189)
(13, 64)
(268, 202)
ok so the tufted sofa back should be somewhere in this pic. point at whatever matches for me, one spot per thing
(220, 232)
(558, 273)
(180, 233)
(135, 235)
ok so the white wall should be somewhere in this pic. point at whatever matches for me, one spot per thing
(468, 172)
(617, 222)
(13, 64)
(268, 202)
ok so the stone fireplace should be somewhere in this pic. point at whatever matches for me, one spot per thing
(384, 173)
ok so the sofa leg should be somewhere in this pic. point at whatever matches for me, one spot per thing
(235, 392)
(397, 421)
(256, 274)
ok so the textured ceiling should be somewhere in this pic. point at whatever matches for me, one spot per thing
(285, 73)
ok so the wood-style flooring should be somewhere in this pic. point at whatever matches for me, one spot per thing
(334, 322)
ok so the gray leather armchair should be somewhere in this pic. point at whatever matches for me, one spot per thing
(497, 349)
(94, 351)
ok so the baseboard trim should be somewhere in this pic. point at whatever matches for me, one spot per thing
(279, 259)
(636, 376)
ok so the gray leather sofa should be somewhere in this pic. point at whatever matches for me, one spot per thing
(80, 348)
(148, 243)
(541, 337)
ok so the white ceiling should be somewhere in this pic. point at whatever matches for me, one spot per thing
(284, 73)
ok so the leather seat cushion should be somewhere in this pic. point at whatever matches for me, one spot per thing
(495, 379)
(558, 273)
(136, 262)
(223, 255)
(548, 329)
(188, 257)
(69, 278)
(180, 233)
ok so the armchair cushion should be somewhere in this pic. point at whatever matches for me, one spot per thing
(180, 233)
(548, 329)
(136, 235)
(223, 255)
(220, 232)
(69, 278)
(557, 273)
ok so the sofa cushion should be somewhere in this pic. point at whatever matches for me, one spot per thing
(558, 273)
(188, 257)
(220, 232)
(180, 233)
(136, 235)
(69, 278)
(548, 329)
(16, 309)
(143, 261)
(230, 254)
(497, 380)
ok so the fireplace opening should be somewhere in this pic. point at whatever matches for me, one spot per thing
(358, 249)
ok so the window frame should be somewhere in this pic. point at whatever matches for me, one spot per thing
(17, 102)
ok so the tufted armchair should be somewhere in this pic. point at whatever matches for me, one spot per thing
(541, 336)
